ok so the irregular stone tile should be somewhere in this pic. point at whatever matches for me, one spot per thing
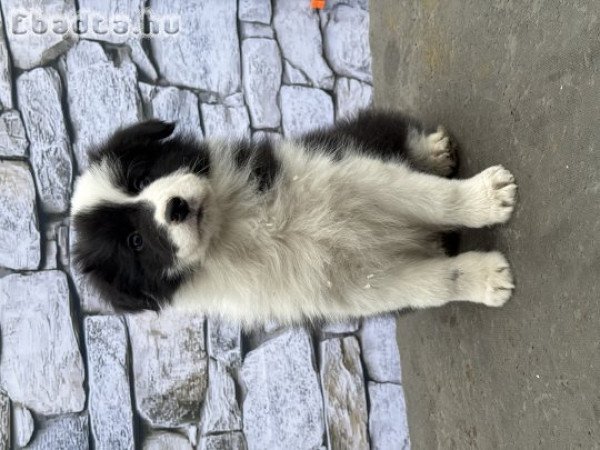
(110, 409)
(349, 326)
(18, 217)
(13, 140)
(220, 411)
(169, 366)
(388, 427)
(261, 68)
(111, 10)
(5, 77)
(224, 341)
(163, 440)
(62, 242)
(102, 95)
(268, 135)
(304, 109)
(173, 105)
(23, 425)
(291, 75)
(351, 96)
(227, 441)
(344, 393)
(4, 420)
(298, 34)
(63, 432)
(282, 394)
(41, 366)
(221, 121)
(90, 299)
(346, 41)
(380, 349)
(40, 95)
(255, 11)
(206, 53)
(50, 256)
(29, 45)
(256, 30)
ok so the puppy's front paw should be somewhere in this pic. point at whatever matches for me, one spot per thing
(498, 280)
(441, 155)
(495, 196)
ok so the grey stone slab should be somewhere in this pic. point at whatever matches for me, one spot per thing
(224, 341)
(380, 349)
(6, 101)
(282, 394)
(220, 411)
(68, 432)
(351, 96)
(349, 326)
(102, 95)
(256, 30)
(13, 139)
(23, 425)
(222, 121)
(19, 233)
(261, 69)
(110, 407)
(50, 255)
(331, 4)
(5, 425)
(39, 92)
(170, 366)
(298, 34)
(304, 109)
(346, 41)
(98, 14)
(255, 11)
(173, 105)
(344, 393)
(387, 420)
(268, 135)
(226, 441)
(34, 38)
(90, 299)
(41, 366)
(205, 54)
(164, 440)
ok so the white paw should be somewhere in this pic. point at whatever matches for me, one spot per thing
(496, 196)
(441, 155)
(497, 279)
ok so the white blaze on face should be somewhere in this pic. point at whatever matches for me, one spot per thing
(191, 236)
(188, 235)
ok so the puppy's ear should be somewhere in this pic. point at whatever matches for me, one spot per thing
(151, 130)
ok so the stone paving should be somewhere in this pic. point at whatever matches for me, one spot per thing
(73, 374)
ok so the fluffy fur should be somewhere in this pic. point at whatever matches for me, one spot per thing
(340, 223)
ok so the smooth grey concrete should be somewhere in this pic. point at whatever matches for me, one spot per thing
(518, 83)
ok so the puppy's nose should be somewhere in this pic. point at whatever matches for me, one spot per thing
(177, 210)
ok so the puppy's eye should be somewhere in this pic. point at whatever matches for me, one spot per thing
(135, 241)
(140, 183)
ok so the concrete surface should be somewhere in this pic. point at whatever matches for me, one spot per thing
(518, 83)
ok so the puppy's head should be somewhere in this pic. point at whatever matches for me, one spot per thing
(143, 214)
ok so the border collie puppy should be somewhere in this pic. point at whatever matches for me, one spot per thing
(340, 223)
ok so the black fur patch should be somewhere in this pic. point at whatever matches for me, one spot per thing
(145, 154)
(259, 156)
(379, 134)
(129, 280)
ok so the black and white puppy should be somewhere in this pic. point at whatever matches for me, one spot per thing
(340, 223)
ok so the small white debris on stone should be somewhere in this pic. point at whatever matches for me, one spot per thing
(367, 286)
